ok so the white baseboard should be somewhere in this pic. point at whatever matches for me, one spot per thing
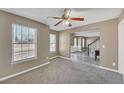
(19, 73)
(53, 57)
(65, 57)
(59, 57)
(108, 69)
(30, 69)
(101, 67)
(94, 65)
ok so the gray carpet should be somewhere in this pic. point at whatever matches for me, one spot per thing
(61, 71)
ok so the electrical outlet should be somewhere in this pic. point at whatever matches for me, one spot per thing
(103, 46)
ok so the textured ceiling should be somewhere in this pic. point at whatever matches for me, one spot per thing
(91, 15)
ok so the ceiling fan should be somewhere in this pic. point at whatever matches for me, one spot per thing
(65, 18)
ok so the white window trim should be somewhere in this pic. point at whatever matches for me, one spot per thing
(26, 59)
(55, 44)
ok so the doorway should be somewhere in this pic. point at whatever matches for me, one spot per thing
(121, 47)
(85, 47)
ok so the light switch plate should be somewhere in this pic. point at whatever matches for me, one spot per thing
(103, 46)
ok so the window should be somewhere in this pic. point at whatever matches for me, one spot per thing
(83, 42)
(75, 42)
(79, 42)
(52, 42)
(24, 43)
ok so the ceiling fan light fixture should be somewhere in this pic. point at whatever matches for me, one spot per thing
(66, 22)
(66, 19)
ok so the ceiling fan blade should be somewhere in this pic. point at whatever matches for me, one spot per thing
(58, 23)
(77, 19)
(67, 12)
(55, 17)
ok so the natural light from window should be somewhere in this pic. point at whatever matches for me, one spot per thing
(52, 42)
(79, 43)
(24, 43)
(83, 42)
(75, 42)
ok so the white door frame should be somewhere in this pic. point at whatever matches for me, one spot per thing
(121, 47)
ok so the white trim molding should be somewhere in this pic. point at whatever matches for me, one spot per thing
(101, 67)
(24, 60)
(30, 69)
(65, 58)
(22, 72)
(53, 57)
(60, 57)
(121, 47)
(110, 69)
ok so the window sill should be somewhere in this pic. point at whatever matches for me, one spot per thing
(23, 60)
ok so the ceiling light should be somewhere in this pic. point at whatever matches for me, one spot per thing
(65, 22)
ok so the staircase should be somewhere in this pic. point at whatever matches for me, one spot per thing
(93, 46)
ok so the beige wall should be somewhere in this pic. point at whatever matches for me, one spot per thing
(6, 21)
(108, 32)
(57, 44)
